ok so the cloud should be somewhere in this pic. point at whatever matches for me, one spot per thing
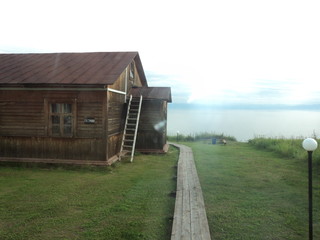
(262, 92)
(209, 52)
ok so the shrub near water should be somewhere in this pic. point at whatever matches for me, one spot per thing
(290, 148)
(200, 136)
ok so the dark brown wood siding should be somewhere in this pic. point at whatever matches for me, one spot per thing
(116, 109)
(21, 118)
(24, 128)
(152, 126)
(86, 111)
(116, 113)
(52, 148)
(114, 144)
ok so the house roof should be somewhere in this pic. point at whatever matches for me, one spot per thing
(163, 93)
(94, 69)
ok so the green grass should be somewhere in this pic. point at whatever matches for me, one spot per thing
(126, 201)
(252, 194)
(249, 194)
(290, 148)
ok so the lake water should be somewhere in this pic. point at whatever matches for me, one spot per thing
(245, 124)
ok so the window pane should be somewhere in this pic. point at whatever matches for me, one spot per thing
(55, 119)
(131, 74)
(67, 120)
(67, 108)
(67, 129)
(61, 119)
(55, 107)
(56, 130)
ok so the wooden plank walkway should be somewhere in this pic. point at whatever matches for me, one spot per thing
(190, 218)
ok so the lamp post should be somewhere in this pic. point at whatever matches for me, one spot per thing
(309, 144)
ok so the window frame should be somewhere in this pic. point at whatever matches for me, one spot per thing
(132, 72)
(61, 116)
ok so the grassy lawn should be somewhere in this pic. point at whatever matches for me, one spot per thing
(126, 201)
(254, 194)
(249, 194)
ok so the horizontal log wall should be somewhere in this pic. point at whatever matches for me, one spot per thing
(152, 126)
(116, 113)
(120, 83)
(58, 148)
(114, 145)
(24, 125)
(89, 110)
(22, 118)
(116, 119)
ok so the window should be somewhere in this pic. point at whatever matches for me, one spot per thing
(132, 71)
(61, 119)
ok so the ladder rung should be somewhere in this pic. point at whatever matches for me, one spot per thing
(131, 126)
(128, 136)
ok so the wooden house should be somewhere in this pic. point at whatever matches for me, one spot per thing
(71, 107)
(152, 135)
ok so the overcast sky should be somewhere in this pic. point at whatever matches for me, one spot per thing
(209, 52)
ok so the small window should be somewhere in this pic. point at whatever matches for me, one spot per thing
(61, 119)
(132, 71)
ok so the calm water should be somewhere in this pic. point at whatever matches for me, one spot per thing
(245, 124)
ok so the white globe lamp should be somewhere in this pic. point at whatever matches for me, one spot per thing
(309, 144)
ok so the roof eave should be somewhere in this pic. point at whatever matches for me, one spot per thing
(140, 70)
(52, 86)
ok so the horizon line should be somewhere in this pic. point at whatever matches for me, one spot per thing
(315, 107)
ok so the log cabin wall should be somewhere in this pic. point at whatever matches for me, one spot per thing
(116, 114)
(116, 118)
(68, 106)
(117, 107)
(152, 132)
(133, 78)
(27, 130)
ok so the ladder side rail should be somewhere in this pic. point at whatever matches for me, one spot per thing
(136, 130)
(125, 127)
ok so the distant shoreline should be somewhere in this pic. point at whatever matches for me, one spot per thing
(301, 107)
(244, 124)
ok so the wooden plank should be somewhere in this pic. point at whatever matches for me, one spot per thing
(177, 219)
(190, 219)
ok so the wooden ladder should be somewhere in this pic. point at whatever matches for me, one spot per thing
(131, 127)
